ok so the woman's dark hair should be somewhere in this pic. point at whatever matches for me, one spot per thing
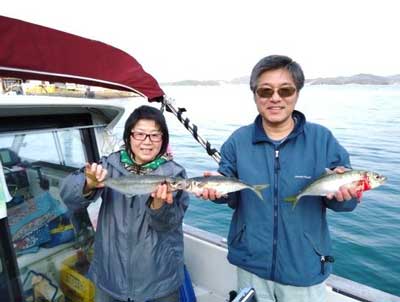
(274, 62)
(146, 113)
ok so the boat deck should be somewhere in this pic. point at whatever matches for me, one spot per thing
(204, 295)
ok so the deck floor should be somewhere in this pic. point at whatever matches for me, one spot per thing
(204, 295)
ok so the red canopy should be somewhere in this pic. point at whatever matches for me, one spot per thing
(31, 51)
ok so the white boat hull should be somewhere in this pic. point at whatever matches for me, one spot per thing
(214, 277)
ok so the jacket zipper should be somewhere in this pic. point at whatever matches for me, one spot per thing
(277, 168)
(131, 293)
(323, 258)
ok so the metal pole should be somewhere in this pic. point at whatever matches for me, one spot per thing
(192, 128)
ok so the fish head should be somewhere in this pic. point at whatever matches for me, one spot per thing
(375, 179)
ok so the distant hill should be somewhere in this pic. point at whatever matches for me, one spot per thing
(362, 79)
(241, 80)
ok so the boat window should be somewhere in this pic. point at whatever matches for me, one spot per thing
(62, 147)
(49, 240)
(71, 143)
(33, 146)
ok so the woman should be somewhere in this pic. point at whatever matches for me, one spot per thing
(138, 253)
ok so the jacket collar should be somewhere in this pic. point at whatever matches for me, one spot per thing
(114, 160)
(259, 135)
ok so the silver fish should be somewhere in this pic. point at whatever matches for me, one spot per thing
(132, 185)
(221, 184)
(331, 182)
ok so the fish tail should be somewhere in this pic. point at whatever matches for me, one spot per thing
(257, 189)
(293, 199)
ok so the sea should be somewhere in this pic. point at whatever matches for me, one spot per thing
(366, 121)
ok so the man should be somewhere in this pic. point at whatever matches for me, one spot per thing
(284, 253)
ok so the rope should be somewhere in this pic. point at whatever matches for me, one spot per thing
(167, 104)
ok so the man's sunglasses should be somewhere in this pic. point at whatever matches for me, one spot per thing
(284, 92)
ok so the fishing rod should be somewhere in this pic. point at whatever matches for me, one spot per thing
(168, 103)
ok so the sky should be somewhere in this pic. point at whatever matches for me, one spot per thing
(222, 40)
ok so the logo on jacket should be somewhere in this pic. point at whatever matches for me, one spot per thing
(302, 176)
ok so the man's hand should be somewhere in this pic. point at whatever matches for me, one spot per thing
(344, 193)
(209, 194)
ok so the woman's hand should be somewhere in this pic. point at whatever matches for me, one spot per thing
(95, 176)
(160, 196)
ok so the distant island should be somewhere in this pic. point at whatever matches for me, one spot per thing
(361, 79)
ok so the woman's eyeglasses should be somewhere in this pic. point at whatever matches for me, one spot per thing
(284, 92)
(141, 136)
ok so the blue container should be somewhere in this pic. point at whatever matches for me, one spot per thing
(186, 291)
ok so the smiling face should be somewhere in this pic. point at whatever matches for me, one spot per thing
(145, 151)
(276, 111)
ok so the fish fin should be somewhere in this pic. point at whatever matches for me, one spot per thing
(258, 188)
(258, 193)
(330, 171)
(293, 199)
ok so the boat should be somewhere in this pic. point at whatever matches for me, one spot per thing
(46, 133)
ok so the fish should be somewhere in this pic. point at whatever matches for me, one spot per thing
(330, 182)
(221, 184)
(132, 185)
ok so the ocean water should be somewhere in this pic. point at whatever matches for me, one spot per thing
(366, 121)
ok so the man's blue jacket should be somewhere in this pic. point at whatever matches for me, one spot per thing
(272, 239)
